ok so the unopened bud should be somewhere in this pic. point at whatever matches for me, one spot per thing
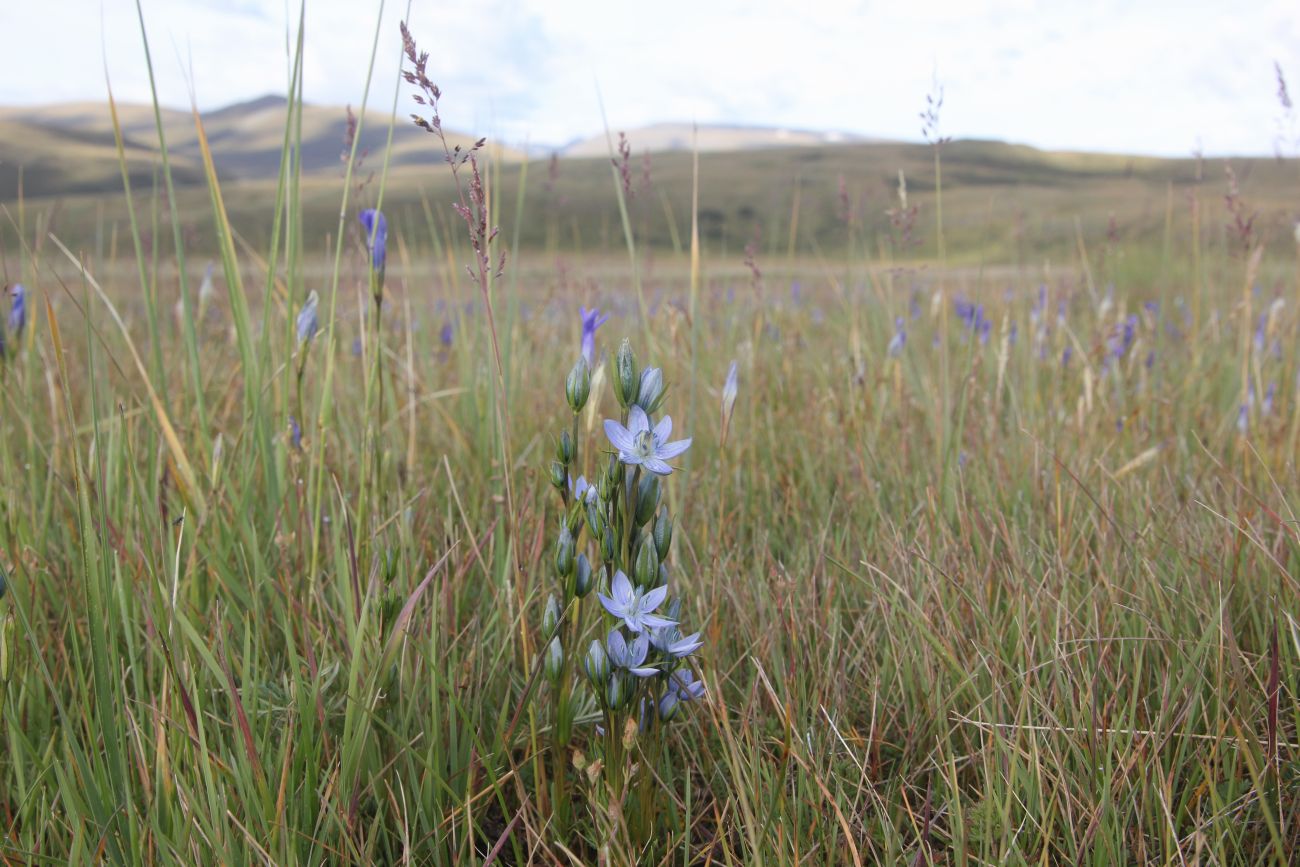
(663, 534)
(564, 553)
(647, 565)
(550, 616)
(582, 578)
(650, 389)
(577, 388)
(554, 663)
(626, 383)
(647, 498)
(559, 477)
(596, 664)
(564, 448)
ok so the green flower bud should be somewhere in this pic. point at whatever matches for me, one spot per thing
(647, 498)
(573, 519)
(663, 575)
(559, 478)
(564, 448)
(607, 545)
(611, 480)
(554, 664)
(596, 664)
(582, 578)
(647, 566)
(616, 691)
(595, 519)
(550, 616)
(564, 553)
(577, 387)
(663, 534)
(626, 383)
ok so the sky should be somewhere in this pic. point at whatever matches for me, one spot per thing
(1166, 78)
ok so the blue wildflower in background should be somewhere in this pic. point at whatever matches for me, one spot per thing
(638, 444)
(682, 687)
(308, 323)
(376, 227)
(591, 320)
(446, 334)
(1121, 340)
(18, 312)
(899, 340)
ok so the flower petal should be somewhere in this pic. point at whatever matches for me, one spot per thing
(656, 466)
(617, 648)
(663, 429)
(610, 605)
(637, 421)
(644, 672)
(622, 588)
(653, 598)
(667, 451)
(620, 436)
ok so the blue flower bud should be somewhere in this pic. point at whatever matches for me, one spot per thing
(551, 616)
(663, 575)
(647, 498)
(596, 664)
(647, 566)
(607, 545)
(668, 705)
(626, 383)
(564, 550)
(564, 448)
(663, 534)
(582, 577)
(4, 584)
(554, 664)
(650, 390)
(577, 387)
(558, 476)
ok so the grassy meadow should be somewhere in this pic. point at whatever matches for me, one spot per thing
(995, 562)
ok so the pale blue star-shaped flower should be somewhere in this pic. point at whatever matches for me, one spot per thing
(633, 607)
(639, 444)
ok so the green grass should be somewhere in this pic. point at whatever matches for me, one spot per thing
(966, 606)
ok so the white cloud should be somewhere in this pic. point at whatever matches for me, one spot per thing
(1151, 77)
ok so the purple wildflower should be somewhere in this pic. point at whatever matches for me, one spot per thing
(376, 227)
(446, 334)
(18, 312)
(591, 320)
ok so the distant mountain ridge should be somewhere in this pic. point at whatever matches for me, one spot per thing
(69, 148)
